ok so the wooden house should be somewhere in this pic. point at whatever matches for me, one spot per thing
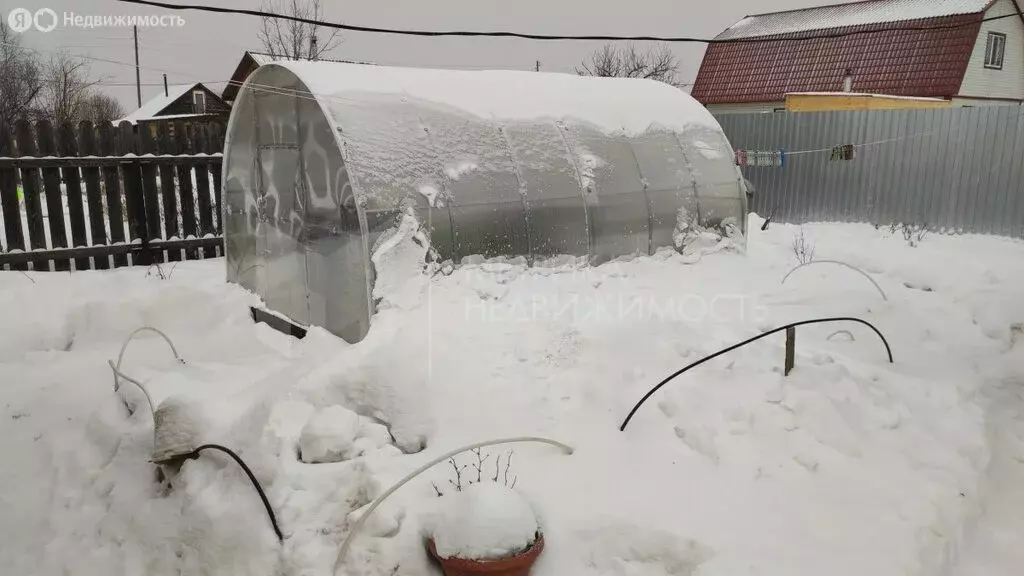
(967, 52)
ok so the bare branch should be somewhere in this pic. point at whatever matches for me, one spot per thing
(479, 464)
(508, 462)
(628, 61)
(457, 483)
(21, 80)
(296, 40)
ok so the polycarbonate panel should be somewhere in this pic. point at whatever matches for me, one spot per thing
(669, 183)
(619, 213)
(336, 274)
(286, 255)
(714, 172)
(487, 209)
(393, 166)
(554, 200)
(243, 227)
(277, 120)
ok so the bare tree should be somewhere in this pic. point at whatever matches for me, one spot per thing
(100, 107)
(20, 78)
(630, 62)
(296, 40)
(66, 89)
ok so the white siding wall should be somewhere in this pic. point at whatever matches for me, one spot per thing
(745, 108)
(1005, 83)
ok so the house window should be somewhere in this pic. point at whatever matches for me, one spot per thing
(198, 102)
(995, 49)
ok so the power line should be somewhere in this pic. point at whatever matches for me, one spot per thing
(526, 36)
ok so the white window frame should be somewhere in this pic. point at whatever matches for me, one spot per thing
(198, 96)
(995, 50)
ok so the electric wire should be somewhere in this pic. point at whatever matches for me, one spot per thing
(528, 36)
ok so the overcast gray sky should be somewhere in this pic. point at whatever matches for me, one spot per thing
(209, 46)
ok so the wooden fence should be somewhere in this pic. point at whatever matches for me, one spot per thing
(96, 197)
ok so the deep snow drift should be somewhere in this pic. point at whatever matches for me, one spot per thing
(849, 466)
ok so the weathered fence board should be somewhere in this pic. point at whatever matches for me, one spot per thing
(150, 192)
(112, 182)
(203, 189)
(30, 187)
(950, 170)
(67, 145)
(115, 195)
(188, 210)
(93, 193)
(47, 146)
(10, 204)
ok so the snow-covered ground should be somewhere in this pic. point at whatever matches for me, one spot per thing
(848, 466)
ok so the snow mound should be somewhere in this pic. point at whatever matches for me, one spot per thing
(485, 521)
(329, 436)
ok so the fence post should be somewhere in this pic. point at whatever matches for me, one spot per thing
(93, 192)
(47, 144)
(9, 202)
(112, 183)
(133, 194)
(165, 146)
(30, 189)
(200, 144)
(151, 195)
(790, 349)
(188, 205)
(216, 170)
(67, 146)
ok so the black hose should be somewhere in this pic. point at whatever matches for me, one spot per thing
(744, 343)
(270, 511)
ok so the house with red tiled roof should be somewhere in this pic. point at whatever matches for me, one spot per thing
(970, 52)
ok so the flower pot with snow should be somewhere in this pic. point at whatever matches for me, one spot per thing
(485, 528)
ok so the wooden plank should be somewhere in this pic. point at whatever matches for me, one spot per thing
(150, 191)
(108, 146)
(37, 162)
(93, 192)
(67, 145)
(110, 249)
(201, 143)
(31, 189)
(167, 189)
(217, 142)
(46, 140)
(790, 349)
(134, 201)
(10, 205)
(189, 225)
(277, 323)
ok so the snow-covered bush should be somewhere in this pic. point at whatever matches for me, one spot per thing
(484, 521)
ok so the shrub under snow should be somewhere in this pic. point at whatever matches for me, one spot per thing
(485, 521)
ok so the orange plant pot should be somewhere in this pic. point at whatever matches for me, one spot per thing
(518, 565)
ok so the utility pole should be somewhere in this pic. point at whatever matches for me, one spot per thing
(166, 93)
(537, 68)
(138, 82)
(312, 47)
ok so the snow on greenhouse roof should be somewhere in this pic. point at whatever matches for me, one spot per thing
(615, 105)
(852, 14)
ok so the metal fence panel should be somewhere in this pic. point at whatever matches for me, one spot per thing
(956, 169)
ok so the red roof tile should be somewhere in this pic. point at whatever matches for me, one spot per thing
(885, 59)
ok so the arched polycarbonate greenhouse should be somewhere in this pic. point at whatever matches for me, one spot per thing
(321, 159)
